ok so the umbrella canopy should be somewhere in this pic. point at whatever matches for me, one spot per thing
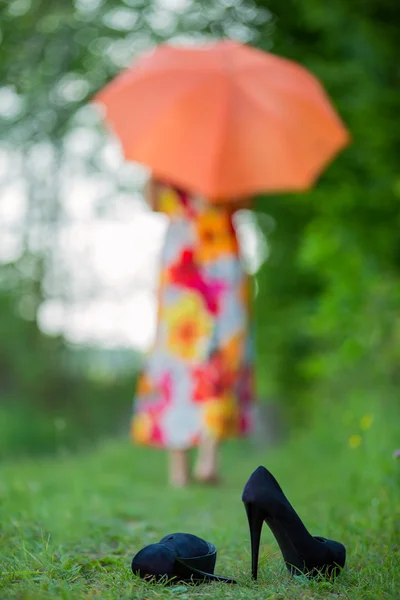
(225, 120)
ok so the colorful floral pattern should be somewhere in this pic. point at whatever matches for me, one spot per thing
(189, 326)
(198, 379)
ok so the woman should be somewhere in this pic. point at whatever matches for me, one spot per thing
(197, 386)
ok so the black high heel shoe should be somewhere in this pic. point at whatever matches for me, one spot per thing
(303, 553)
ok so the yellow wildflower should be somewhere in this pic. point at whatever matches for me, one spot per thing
(355, 440)
(366, 422)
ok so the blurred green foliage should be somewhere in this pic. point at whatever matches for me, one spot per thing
(327, 304)
(329, 297)
(47, 404)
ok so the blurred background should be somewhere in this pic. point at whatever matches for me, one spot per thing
(79, 248)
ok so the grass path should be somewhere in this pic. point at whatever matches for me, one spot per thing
(70, 526)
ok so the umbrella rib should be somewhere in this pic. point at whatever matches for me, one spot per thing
(222, 133)
(323, 100)
(283, 120)
(169, 108)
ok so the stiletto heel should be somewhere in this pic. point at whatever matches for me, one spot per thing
(303, 553)
(255, 517)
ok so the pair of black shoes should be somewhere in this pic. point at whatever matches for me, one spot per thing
(186, 557)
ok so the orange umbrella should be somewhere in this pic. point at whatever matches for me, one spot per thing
(225, 120)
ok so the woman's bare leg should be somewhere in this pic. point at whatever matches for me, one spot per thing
(178, 468)
(207, 466)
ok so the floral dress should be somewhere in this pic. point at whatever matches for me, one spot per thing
(198, 378)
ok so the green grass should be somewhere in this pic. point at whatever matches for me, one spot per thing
(70, 526)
